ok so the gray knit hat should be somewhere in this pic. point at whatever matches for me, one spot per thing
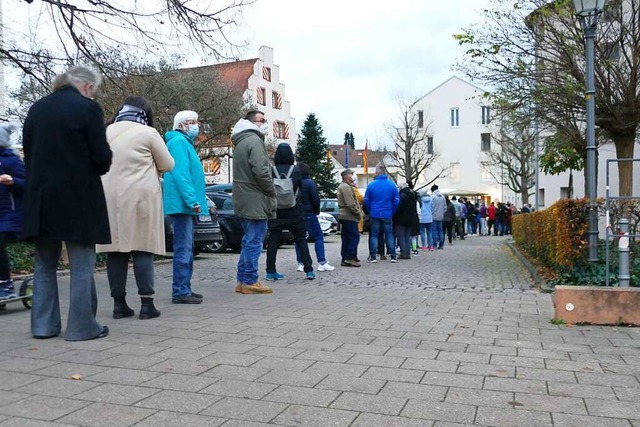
(6, 129)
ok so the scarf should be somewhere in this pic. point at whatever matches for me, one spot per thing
(132, 114)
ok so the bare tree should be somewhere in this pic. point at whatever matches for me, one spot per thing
(68, 31)
(542, 41)
(412, 153)
(512, 163)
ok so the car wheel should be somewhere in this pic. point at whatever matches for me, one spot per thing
(219, 246)
(197, 250)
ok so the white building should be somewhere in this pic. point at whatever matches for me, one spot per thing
(456, 122)
(259, 80)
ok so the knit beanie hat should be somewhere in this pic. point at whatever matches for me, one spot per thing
(6, 128)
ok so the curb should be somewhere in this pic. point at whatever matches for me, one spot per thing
(540, 283)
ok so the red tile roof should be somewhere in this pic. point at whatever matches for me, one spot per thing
(355, 156)
(235, 74)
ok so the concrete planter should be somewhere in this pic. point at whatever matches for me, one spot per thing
(597, 305)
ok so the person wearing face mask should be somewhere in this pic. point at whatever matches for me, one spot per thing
(66, 152)
(183, 199)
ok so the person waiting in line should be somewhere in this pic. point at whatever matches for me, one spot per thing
(426, 221)
(289, 218)
(349, 215)
(184, 198)
(12, 175)
(404, 219)
(448, 219)
(311, 206)
(66, 204)
(381, 200)
(134, 201)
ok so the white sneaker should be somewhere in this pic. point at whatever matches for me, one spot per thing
(300, 267)
(326, 267)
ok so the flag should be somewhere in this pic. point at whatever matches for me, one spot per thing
(346, 156)
(329, 155)
(365, 164)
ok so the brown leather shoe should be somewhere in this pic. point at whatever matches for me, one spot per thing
(255, 288)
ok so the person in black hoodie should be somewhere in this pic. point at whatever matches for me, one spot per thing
(291, 219)
(404, 219)
(311, 206)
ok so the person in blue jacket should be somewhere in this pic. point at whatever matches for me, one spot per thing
(183, 199)
(381, 201)
(12, 175)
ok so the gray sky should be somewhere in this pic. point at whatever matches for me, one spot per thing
(346, 60)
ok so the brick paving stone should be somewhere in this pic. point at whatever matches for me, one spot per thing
(545, 375)
(414, 391)
(430, 365)
(627, 393)
(245, 409)
(176, 419)
(107, 415)
(122, 376)
(607, 379)
(302, 396)
(486, 370)
(454, 380)
(539, 402)
(118, 394)
(394, 374)
(235, 372)
(358, 385)
(369, 403)
(581, 390)
(316, 345)
(280, 363)
(242, 389)
(315, 417)
(23, 364)
(613, 409)
(372, 360)
(484, 398)
(7, 397)
(24, 422)
(377, 420)
(46, 408)
(180, 382)
(513, 418)
(13, 380)
(516, 385)
(58, 387)
(568, 420)
(439, 411)
(342, 369)
(301, 379)
(184, 367)
(178, 401)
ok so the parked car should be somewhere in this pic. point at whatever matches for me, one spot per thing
(206, 230)
(220, 188)
(230, 227)
(328, 223)
(330, 206)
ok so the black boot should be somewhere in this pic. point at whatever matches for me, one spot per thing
(121, 309)
(148, 310)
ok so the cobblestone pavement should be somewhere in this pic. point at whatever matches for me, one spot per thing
(456, 337)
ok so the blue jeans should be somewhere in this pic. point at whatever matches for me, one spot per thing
(381, 225)
(438, 234)
(315, 232)
(83, 302)
(426, 233)
(182, 254)
(254, 232)
(350, 239)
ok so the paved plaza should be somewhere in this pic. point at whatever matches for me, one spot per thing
(455, 337)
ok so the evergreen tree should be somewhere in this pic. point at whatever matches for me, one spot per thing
(350, 140)
(312, 150)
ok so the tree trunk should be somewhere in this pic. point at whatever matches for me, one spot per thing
(624, 150)
(524, 189)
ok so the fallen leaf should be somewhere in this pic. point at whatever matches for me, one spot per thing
(76, 377)
(514, 403)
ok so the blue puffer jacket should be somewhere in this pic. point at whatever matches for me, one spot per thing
(11, 195)
(310, 196)
(183, 187)
(382, 198)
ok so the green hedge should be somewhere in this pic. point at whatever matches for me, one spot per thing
(22, 255)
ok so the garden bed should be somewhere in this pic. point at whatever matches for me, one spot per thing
(597, 305)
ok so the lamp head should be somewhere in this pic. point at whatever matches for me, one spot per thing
(588, 7)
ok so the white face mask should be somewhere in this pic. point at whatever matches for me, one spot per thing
(264, 128)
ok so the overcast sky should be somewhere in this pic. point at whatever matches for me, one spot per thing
(345, 60)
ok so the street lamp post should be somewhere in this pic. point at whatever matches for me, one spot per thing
(588, 12)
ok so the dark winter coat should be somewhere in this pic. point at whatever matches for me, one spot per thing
(407, 214)
(310, 196)
(11, 195)
(66, 152)
(283, 160)
(449, 213)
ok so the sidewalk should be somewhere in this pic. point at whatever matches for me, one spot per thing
(451, 338)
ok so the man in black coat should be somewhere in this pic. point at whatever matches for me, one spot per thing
(66, 152)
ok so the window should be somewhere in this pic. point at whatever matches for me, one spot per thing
(454, 173)
(280, 130)
(429, 145)
(335, 153)
(486, 115)
(421, 119)
(565, 193)
(266, 73)
(276, 100)
(261, 95)
(485, 173)
(485, 142)
(540, 197)
(455, 117)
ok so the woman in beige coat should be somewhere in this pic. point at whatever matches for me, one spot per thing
(134, 201)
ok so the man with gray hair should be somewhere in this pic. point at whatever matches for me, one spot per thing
(66, 152)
